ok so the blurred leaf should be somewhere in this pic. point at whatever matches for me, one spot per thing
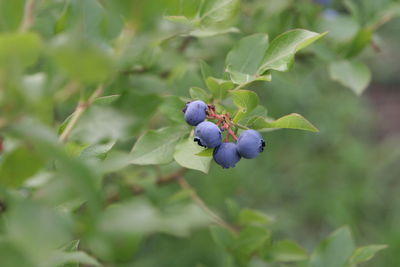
(106, 100)
(361, 40)
(19, 49)
(219, 88)
(205, 70)
(351, 74)
(220, 14)
(291, 121)
(363, 254)
(245, 100)
(12, 256)
(250, 240)
(156, 147)
(186, 156)
(249, 216)
(196, 93)
(243, 61)
(11, 171)
(341, 27)
(87, 64)
(101, 123)
(280, 53)
(29, 222)
(97, 151)
(202, 33)
(179, 19)
(66, 258)
(335, 250)
(287, 251)
(11, 13)
(221, 236)
(119, 219)
(172, 108)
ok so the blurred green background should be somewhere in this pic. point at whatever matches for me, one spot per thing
(311, 184)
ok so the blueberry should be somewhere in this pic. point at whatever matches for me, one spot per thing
(208, 134)
(226, 155)
(195, 112)
(250, 144)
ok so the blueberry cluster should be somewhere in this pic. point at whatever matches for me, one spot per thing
(208, 134)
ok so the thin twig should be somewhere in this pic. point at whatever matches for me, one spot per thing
(185, 43)
(178, 176)
(172, 177)
(217, 219)
(80, 109)
(28, 19)
(3, 206)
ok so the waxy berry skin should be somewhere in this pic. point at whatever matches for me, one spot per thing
(250, 144)
(195, 112)
(226, 155)
(208, 134)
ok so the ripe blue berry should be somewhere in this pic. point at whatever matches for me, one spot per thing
(208, 134)
(195, 112)
(250, 144)
(226, 155)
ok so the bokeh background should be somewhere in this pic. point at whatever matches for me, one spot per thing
(309, 183)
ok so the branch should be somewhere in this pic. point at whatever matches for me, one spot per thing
(185, 43)
(80, 109)
(178, 176)
(217, 219)
(28, 19)
(3, 206)
(172, 177)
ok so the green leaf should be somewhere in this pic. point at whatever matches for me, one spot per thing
(245, 58)
(280, 53)
(361, 40)
(205, 70)
(106, 100)
(87, 64)
(220, 14)
(250, 240)
(351, 74)
(179, 19)
(363, 254)
(19, 49)
(335, 250)
(208, 152)
(197, 93)
(221, 236)
(172, 108)
(246, 101)
(209, 32)
(291, 121)
(219, 88)
(156, 147)
(97, 151)
(249, 216)
(11, 13)
(81, 257)
(259, 111)
(186, 156)
(288, 251)
(18, 165)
